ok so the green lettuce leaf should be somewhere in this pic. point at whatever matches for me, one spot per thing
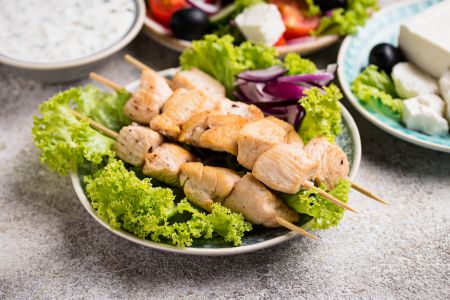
(346, 21)
(103, 107)
(125, 202)
(325, 213)
(298, 65)
(313, 9)
(323, 113)
(376, 91)
(223, 60)
(63, 139)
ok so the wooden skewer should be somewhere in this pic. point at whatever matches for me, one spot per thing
(138, 64)
(328, 196)
(309, 185)
(295, 228)
(115, 135)
(368, 193)
(106, 131)
(105, 81)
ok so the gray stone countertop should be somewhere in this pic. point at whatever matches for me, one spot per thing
(50, 248)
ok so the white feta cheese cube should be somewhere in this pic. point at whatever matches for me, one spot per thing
(425, 39)
(444, 84)
(420, 117)
(261, 23)
(410, 81)
(432, 101)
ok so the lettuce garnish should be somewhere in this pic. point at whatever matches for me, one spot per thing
(346, 21)
(223, 60)
(298, 65)
(376, 90)
(126, 202)
(323, 113)
(64, 140)
(325, 213)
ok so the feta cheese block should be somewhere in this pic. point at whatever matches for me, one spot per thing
(425, 39)
(411, 82)
(261, 23)
(420, 117)
(444, 84)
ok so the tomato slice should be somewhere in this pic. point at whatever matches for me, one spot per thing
(162, 10)
(281, 41)
(296, 22)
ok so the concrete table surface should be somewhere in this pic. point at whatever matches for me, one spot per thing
(50, 247)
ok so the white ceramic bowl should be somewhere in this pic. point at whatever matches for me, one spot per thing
(78, 68)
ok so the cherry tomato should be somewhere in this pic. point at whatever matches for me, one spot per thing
(162, 10)
(281, 41)
(296, 22)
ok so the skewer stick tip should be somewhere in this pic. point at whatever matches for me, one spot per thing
(105, 81)
(329, 197)
(294, 227)
(136, 63)
(368, 193)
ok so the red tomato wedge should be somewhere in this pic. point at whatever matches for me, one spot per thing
(162, 10)
(296, 22)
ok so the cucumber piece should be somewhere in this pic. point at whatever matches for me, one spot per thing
(223, 14)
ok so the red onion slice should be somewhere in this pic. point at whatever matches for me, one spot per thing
(319, 78)
(207, 8)
(263, 74)
(284, 90)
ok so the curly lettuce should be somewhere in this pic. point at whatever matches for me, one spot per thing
(126, 202)
(63, 139)
(346, 21)
(220, 58)
(323, 113)
(325, 214)
(376, 90)
(298, 65)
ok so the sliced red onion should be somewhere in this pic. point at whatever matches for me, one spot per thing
(331, 68)
(318, 78)
(206, 7)
(263, 74)
(329, 13)
(253, 92)
(284, 90)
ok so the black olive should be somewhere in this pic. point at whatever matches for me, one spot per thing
(326, 5)
(189, 24)
(385, 57)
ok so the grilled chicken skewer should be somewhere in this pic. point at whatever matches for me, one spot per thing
(141, 66)
(203, 185)
(271, 131)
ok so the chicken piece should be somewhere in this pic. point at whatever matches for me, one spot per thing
(134, 142)
(164, 163)
(149, 98)
(179, 108)
(213, 131)
(257, 203)
(257, 137)
(285, 168)
(204, 185)
(194, 79)
(249, 112)
(334, 164)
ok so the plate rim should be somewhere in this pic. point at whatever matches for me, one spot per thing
(160, 34)
(354, 133)
(361, 109)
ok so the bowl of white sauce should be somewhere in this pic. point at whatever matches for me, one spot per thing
(60, 40)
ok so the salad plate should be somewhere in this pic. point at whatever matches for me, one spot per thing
(165, 38)
(258, 238)
(353, 57)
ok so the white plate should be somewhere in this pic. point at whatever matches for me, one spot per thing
(163, 36)
(349, 140)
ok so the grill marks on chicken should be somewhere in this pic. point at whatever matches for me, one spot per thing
(134, 142)
(179, 108)
(257, 203)
(257, 137)
(194, 79)
(164, 163)
(147, 101)
(334, 164)
(285, 168)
